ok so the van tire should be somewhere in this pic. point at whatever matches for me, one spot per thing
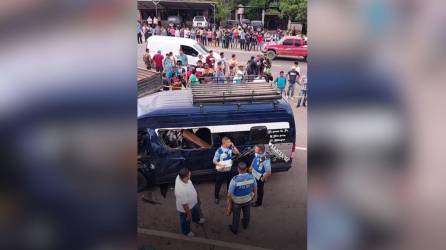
(305, 58)
(142, 182)
(271, 54)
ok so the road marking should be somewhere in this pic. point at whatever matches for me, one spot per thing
(277, 65)
(301, 148)
(200, 240)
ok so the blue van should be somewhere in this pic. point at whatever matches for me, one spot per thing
(177, 130)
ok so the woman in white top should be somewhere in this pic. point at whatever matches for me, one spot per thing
(187, 202)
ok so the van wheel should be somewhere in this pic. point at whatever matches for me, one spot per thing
(271, 54)
(305, 58)
(142, 182)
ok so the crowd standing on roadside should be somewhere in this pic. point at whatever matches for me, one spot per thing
(177, 73)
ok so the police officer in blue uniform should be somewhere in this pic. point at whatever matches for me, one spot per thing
(223, 164)
(261, 170)
(242, 190)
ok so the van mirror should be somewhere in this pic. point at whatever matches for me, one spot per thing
(259, 135)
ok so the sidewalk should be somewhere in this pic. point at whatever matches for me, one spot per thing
(219, 48)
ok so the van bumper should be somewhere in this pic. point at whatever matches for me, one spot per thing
(281, 166)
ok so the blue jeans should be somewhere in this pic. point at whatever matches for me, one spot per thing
(184, 224)
(290, 91)
(236, 210)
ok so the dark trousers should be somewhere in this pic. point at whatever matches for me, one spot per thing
(221, 177)
(236, 210)
(242, 43)
(184, 224)
(303, 98)
(139, 37)
(259, 192)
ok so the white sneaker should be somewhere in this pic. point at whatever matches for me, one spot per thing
(191, 234)
(201, 221)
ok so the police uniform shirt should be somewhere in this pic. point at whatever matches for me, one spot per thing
(224, 155)
(260, 165)
(242, 187)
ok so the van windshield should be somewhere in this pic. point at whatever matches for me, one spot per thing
(201, 48)
(199, 18)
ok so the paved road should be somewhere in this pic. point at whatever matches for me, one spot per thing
(279, 224)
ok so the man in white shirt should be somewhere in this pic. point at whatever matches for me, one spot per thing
(149, 21)
(186, 202)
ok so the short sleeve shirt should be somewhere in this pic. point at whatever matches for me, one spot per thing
(293, 75)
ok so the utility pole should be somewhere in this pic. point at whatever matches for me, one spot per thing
(213, 7)
(156, 2)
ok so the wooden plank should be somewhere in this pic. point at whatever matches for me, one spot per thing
(237, 94)
(234, 99)
(231, 90)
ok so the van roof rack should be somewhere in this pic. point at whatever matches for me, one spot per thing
(231, 92)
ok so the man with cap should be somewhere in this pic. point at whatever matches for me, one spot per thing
(223, 164)
(261, 170)
(242, 190)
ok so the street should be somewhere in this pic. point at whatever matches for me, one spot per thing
(279, 224)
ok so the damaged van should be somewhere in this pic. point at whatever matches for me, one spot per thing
(184, 128)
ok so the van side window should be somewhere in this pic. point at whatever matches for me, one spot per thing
(238, 138)
(189, 51)
(186, 138)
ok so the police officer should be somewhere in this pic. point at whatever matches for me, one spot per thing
(242, 190)
(261, 170)
(223, 163)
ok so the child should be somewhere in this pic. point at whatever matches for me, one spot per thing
(193, 79)
(280, 82)
(303, 93)
(239, 76)
(166, 82)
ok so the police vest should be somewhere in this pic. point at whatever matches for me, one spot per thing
(257, 165)
(225, 157)
(244, 187)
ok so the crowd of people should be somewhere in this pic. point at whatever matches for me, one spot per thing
(177, 73)
(245, 38)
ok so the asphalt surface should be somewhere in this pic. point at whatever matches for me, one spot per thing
(279, 224)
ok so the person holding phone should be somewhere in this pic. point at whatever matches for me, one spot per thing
(223, 164)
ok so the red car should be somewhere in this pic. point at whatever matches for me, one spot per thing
(288, 46)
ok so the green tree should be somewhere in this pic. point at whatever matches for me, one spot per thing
(223, 9)
(296, 10)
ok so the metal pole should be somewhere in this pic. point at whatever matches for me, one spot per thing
(213, 6)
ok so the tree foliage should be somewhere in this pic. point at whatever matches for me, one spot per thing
(223, 9)
(296, 10)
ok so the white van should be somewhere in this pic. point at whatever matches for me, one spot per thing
(173, 44)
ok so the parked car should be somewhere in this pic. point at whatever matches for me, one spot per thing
(200, 22)
(176, 20)
(288, 46)
(190, 47)
(229, 24)
(245, 23)
(257, 25)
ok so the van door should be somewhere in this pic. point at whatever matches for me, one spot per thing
(192, 54)
(167, 161)
(192, 147)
